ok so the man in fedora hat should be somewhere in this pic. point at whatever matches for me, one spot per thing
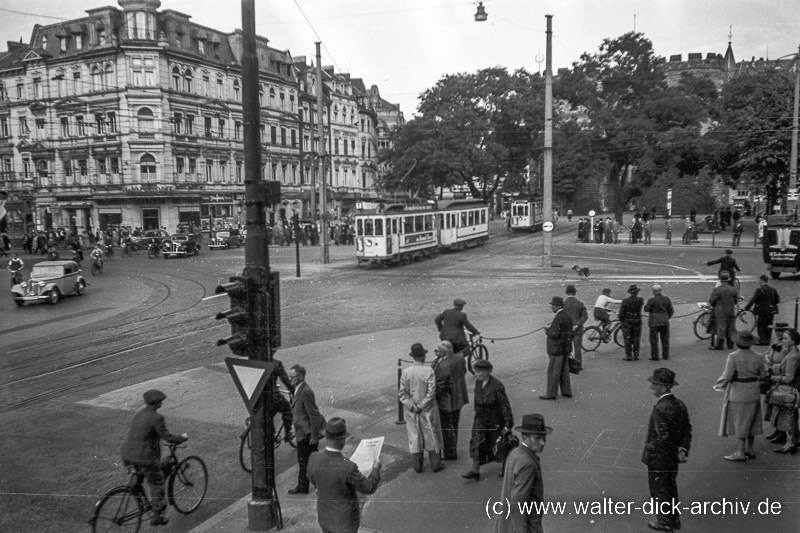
(576, 310)
(452, 394)
(417, 393)
(559, 346)
(338, 482)
(630, 319)
(660, 310)
(723, 301)
(669, 437)
(523, 484)
(451, 324)
(142, 450)
(764, 304)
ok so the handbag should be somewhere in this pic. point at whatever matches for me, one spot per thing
(575, 366)
(765, 383)
(506, 442)
(783, 395)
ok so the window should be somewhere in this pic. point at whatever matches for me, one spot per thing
(192, 165)
(76, 82)
(83, 168)
(238, 172)
(23, 126)
(179, 168)
(20, 91)
(99, 124)
(3, 94)
(102, 169)
(44, 42)
(177, 123)
(188, 80)
(283, 101)
(262, 129)
(61, 85)
(37, 88)
(344, 144)
(114, 165)
(141, 25)
(81, 125)
(149, 72)
(145, 120)
(62, 43)
(221, 126)
(147, 168)
(143, 69)
(209, 170)
(237, 130)
(237, 92)
(7, 168)
(97, 78)
(220, 89)
(67, 168)
(177, 79)
(41, 168)
(4, 131)
(41, 132)
(223, 170)
(273, 135)
(189, 124)
(201, 46)
(101, 36)
(112, 122)
(336, 146)
(207, 126)
(206, 86)
(294, 138)
(261, 95)
(283, 136)
(272, 97)
(78, 41)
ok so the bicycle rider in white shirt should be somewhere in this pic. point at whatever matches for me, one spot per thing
(601, 308)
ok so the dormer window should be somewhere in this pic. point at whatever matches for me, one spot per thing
(141, 25)
(44, 42)
(78, 41)
(201, 46)
(62, 43)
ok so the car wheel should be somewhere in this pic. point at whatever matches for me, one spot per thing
(19, 301)
(53, 297)
(79, 288)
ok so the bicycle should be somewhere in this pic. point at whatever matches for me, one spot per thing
(745, 320)
(593, 336)
(126, 505)
(153, 250)
(97, 266)
(128, 249)
(475, 351)
(281, 432)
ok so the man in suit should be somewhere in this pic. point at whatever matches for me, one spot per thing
(630, 319)
(576, 310)
(559, 346)
(660, 310)
(723, 302)
(764, 304)
(451, 324)
(338, 480)
(451, 395)
(142, 449)
(669, 437)
(308, 422)
(523, 483)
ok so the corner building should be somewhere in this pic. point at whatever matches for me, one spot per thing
(133, 117)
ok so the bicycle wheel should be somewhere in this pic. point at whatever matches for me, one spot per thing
(619, 337)
(701, 325)
(467, 353)
(118, 510)
(280, 433)
(592, 337)
(245, 456)
(188, 484)
(745, 320)
(481, 352)
(94, 269)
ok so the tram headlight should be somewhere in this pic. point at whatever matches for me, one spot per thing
(369, 242)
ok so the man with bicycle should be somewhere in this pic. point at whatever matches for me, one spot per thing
(15, 267)
(97, 255)
(728, 264)
(451, 324)
(601, 309)
(279, 403)
(142, 450)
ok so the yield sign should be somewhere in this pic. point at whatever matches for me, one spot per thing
(250, 378)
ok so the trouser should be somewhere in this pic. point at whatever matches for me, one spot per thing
(725, 330)
(655, 333)
(449, 420)
(764, 325)
(577, 345)
(664, 488)
(152, 472)
(633, 337)
(558, 375)
(304, 451)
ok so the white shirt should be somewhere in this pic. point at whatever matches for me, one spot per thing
(603, 301)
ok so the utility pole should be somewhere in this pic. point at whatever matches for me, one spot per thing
(547, 188)
(793, 161)
(323, 195)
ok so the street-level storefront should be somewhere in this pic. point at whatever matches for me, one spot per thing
(220, 211)
(19, 218)
(147, 208)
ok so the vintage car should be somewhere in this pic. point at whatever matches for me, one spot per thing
(50, 280)
(149, 237)
(223, 240)
(179, 244)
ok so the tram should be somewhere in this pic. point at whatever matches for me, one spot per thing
(398, 234)
(527, 214)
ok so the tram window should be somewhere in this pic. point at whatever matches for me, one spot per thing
(418, 223)
(408, 224)
(429, 222)
(441, 221)
(483, 216)
(394, 226)
(379, 227)
(453, 218)
(463, 218)
(360, 226)
(368, 228)
(471, 218)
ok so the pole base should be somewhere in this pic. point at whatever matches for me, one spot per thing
(260, 515)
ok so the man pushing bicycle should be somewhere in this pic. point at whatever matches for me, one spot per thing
(451, 324)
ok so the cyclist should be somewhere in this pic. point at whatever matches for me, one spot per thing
(142, 450)
(279, 403)
(451, 324)
(728, 264)
(15, 266)
(127, 245)
(601, 309)
(97, 255)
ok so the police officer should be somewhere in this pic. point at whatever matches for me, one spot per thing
(630, 318)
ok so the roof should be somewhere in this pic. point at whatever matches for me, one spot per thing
(55, 263)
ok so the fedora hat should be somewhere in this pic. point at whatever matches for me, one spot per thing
(724, 275)
(663, 376)
(153, 396)
(417, 350)
(781, 326)
(336, 429)
(533, 424)
(744, 338)
(633, 289)
(557, 300)
(571, 289)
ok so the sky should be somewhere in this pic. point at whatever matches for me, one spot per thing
(405, 46)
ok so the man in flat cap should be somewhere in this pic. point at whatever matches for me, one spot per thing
(669, 437)
(723, 301)
(523, 484)
(660, 310)
(576, 310)
(142, 449)
(451, 324)
(338, 482)
(630, 319)
(559, 346)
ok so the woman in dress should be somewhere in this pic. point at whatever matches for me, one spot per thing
(492, 417)
(741, 412)
(784, 419)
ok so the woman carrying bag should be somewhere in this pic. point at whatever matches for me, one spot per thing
(782, 398)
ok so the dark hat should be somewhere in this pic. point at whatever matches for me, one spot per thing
(663, 376)
(744, 338)
(724, 275)
(154, 396)
(633, 289)
(606, 291)
(557, 300)
(533, 424)
(571, 289)
(459, 302)
(729, 252)
(417, 350)
(781, 326)
(336, 429)
(482, 364)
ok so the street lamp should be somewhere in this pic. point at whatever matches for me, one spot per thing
(480, 14)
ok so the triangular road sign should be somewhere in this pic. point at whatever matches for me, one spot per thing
(250, 378)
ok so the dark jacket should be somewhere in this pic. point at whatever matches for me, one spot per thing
(147, 430)
(723, 300)
(559, 335)
(306, 418)
(764, 301)
(451, 383)
(660, 310)
(669, 429)
(451, 324)
(576, 310)
(337, 480)
(727, 264)
(630, 310)
(522, 484)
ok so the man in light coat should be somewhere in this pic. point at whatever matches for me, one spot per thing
(418, 394)
(451, 395)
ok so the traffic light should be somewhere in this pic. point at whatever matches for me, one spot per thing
(237, 315)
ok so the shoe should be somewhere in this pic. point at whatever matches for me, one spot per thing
(780, 439)
(438, 469)
(547, 397)
(635, 358)
(298, 490)
(714, 348)
(472, 475)
(159, 520)
(750, 455)
(658, 526)
(735, 457)
(627, 359)
(567, 395)
(787, 449)
(774, 435)
(654, 359)
(666, 358)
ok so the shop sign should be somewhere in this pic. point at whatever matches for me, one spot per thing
(147, 191)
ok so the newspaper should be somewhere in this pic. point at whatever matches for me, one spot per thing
(366, 453)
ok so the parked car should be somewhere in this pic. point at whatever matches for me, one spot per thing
(148, 237)
(49, 281)
(226, 239)
(179, 245)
